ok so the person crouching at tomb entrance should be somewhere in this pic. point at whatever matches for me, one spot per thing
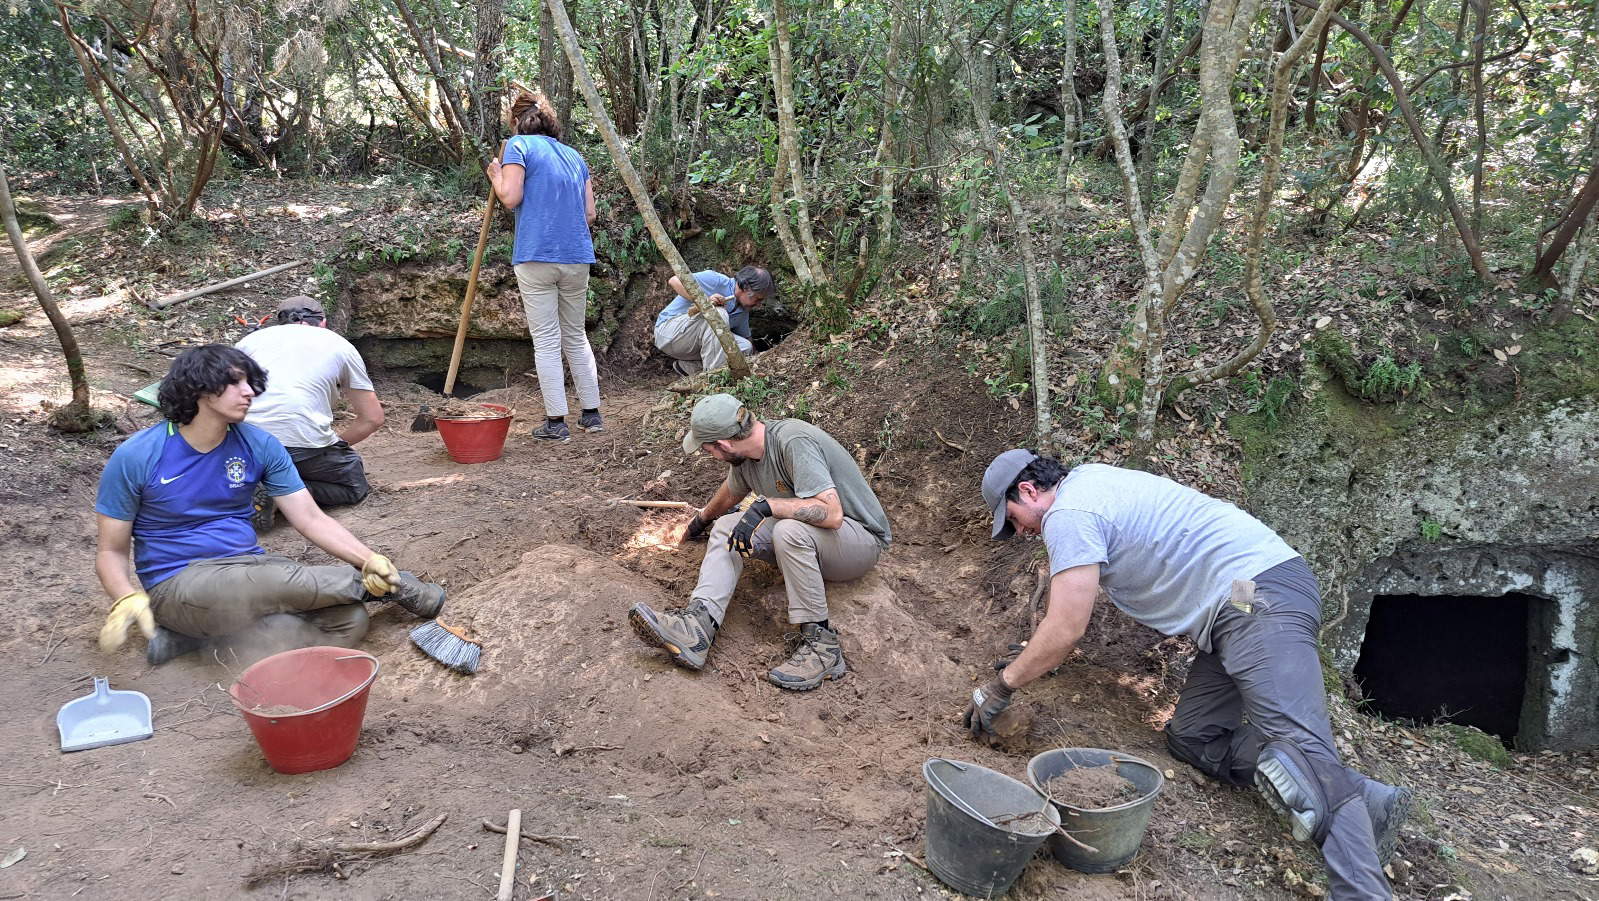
(812, 515)
(176, 499)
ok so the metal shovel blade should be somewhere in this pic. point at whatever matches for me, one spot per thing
(103, 718)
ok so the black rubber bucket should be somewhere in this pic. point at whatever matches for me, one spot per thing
(1113, 832)
(982, 826)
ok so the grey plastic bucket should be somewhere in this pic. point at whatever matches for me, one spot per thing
(968, 809)
(1113, 832)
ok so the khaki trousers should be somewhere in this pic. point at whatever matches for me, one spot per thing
(264, 600)
(688, 338)
(555, 301)
(805, 554)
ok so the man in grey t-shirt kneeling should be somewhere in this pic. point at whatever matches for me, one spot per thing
(1254, 709)
(813, 516)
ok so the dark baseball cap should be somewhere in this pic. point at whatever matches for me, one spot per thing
(997, 480)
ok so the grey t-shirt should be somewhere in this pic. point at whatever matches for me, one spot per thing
(801, 460)
(1167, 554)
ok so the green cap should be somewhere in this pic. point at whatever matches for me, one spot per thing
(715, 417)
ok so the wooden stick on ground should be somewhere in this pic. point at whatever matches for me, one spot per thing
(399, 844)
(663, 505)
(513, 832)
(546, 839)
(164, 302)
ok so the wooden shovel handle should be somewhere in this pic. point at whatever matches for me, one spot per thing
(471, 292)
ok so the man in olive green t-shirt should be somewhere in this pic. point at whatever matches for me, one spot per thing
(813, 516)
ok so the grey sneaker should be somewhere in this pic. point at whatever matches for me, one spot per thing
(591, 422)
(167, 644)
(684, 368)
(817, 658)
(686, 634)
(424, 599)
(1389, 807)
(1285, 779)
(553, 431)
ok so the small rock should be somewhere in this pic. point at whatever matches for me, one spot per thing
(517, 749)
(1584, 861)
(177, 869)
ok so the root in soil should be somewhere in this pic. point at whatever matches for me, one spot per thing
(1091, 788)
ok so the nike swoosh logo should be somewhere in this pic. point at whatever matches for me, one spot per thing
(174, 478)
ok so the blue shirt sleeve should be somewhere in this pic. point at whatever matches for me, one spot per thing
(122, 483)
(515, 153)
(277, 467)
(1075, 538)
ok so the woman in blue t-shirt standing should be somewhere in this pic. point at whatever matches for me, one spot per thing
(548, 186)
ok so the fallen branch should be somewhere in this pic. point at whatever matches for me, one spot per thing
(958, 447)
(323, 857)
(164, 302)
(546, 839)
(663, 505)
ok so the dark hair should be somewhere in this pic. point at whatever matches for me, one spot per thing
(756, 280)
(531, 114)
(746, 424)
(1045, 473)
(199, 371)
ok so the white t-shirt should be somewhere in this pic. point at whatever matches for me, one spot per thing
(306, 367)
(1167, 554)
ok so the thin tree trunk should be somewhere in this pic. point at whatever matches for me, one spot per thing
(788, 134)
(93, 77)
(486, 71)
(1068, 96)
(1037, 335)
(882, 163)
(1313, 84)
(430, 56)
(1146, 151)
(76, 416)
(785, 232)
(1479, 102)
(555, 73)
(736, 362)
(1581, 207)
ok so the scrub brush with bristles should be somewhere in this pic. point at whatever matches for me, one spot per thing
(449, 645)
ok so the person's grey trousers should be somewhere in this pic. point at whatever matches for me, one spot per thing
(1260, 682)
(266, 601)
(807, 556)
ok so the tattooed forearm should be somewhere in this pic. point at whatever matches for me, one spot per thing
(814, 514)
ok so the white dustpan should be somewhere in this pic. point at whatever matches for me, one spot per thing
(104, 718)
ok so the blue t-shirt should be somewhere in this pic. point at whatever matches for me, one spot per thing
(1167, 554)
(552, 222)
(185, 505)
(712, 282)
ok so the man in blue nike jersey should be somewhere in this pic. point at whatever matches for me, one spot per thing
(176, 501)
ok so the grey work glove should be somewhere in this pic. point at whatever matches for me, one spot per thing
(987, 704)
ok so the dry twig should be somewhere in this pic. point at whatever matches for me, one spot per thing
(546, 839)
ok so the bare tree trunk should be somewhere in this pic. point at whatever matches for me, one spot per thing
(1146, 151)
(736, 362)
(1479, 102)
(555, 73)
(785, 232)
(1068, 95)
(788, 134)
(1271, 165)
(1581, 207)
(1037, 335)
(93, 78)
(486, 72)
(882, 162)
(456, 117)
(77, 415)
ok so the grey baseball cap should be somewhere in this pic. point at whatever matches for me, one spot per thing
(997, 479)
(715, 417)
(301, 302)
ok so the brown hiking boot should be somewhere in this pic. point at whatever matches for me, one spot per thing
(686, 633)
(817, 658)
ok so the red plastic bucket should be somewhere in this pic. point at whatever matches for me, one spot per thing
(305, 706)
(475, 440)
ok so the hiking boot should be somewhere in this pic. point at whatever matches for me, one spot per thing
(817, 658)
(424, 599)
(166, 644)
(265, 510)
(591, 422)
(685, 633)
(685, 368)
(1389, 807)
(1285, 779)
(553, 431)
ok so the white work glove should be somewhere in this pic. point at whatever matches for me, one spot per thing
(128, 609)
(379, 575)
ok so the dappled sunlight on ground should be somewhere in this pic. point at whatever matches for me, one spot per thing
(656, 533)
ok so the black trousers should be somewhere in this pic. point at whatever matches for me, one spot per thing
(334, 474)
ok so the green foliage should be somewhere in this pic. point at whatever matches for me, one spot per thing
(9, 317)
(1431, 529)
(1382, 380)
(1474, 742)
(1385, 379)
(125, 218)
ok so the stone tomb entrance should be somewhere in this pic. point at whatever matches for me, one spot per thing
(1504, 639)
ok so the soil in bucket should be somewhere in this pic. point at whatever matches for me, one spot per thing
(473, 433)
(1091, 788)
(1094, 805)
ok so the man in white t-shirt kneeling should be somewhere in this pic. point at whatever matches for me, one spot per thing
(308, 367)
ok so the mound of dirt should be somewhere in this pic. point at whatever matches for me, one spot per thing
(1091, 787)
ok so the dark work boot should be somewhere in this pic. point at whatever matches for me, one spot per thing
(817, 658)
(686, 634)
(167, 644)
(424, 599)
(1389, 807)
(264, 510)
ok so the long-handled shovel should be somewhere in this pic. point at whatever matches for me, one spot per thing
(424, 420)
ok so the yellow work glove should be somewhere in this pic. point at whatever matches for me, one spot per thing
(128, 609)
(379, 575)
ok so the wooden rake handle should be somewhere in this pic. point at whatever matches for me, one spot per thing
(471, 292)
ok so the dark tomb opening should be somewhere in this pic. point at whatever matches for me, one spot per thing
(1458, 659)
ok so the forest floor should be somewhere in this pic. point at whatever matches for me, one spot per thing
(662, 784)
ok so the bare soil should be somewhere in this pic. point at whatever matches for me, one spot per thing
(645, 780)
(1091, 787)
